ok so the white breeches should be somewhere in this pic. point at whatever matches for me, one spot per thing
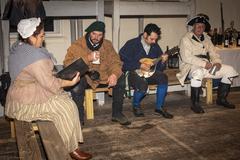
(226, 73)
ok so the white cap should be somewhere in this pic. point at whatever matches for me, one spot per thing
(26, 27)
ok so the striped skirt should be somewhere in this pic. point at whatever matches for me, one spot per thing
(60, 109)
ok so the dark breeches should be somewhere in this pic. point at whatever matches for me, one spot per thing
(141, 84)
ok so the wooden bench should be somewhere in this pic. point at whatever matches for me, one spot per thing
(90, 95)
(172, 81)
(28, 146)
(207, 84)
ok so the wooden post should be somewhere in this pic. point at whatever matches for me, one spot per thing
(192, 9)
(116, 24)
(5, 39)
(79, 28)
(100, 10)
(140, 25)
(1, 49)
(73, 30)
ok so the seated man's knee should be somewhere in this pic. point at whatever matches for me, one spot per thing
(121, 82)
(196, 77)
(163, 79)
(143, 87)
(80, 87)
(196, 83)
(159, 78)
(197, 74)
(228, 71)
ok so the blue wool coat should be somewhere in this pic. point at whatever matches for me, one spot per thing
(133, 51)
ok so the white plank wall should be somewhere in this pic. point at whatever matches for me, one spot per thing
(55, 9)
(119, 8)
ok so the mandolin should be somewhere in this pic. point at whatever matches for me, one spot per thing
(153, 62)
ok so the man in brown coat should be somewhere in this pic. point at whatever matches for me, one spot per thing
(100, 56)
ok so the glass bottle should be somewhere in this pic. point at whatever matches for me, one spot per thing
(220, 37)
(230, 38)
(215, 37)
(238, 40)
(226, 40)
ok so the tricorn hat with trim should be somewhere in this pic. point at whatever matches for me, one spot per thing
(199, 19)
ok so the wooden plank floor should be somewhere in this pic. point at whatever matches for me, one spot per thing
(8, 146)
(214, 135)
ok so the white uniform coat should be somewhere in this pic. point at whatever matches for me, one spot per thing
(190, 46)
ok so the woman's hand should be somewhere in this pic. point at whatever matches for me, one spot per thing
(76, 79)
(68, 83)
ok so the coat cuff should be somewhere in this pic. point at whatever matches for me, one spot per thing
(217, 61)
(118, 73)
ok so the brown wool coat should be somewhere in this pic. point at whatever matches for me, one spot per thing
(110, 62)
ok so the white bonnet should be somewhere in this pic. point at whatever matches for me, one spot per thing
(26, 27)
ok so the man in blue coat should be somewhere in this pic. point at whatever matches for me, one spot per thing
(139, 73)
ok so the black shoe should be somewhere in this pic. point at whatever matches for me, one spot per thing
(197, 109)
(82, 123)
(137, 111)
(121, 119)
(164, 113)
(222, 94)
(225, 103)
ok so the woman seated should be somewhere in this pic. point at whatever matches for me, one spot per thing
(35, 93)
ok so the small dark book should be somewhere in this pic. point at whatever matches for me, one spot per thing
(70, 71)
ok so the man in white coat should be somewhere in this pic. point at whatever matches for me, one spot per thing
(199, 60)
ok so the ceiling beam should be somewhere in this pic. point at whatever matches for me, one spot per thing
(71, 8)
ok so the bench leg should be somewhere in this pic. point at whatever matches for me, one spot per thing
(89, 103)
(13, 133)
(28, 147)
(209, 98)
(188, 90)
(100, 98)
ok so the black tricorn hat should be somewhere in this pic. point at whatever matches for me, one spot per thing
(200, 19)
